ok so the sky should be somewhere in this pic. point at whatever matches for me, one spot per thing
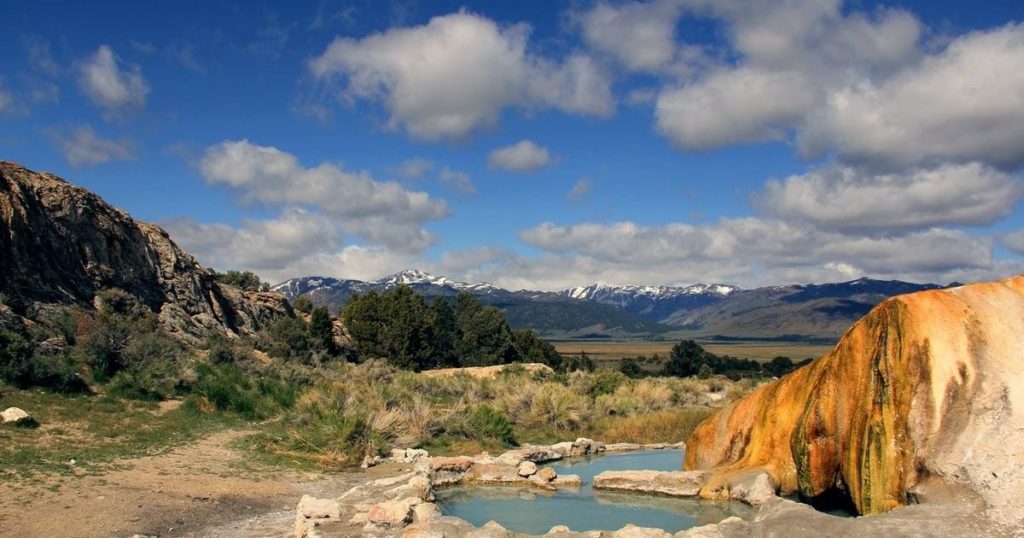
(539, 145)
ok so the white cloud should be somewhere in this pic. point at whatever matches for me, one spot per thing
(377, 210)
(746, 251)
(965, 103)
(581, 189)
(413, 168)
(297, 243)
(641, 36)
(110, 85)
(523, 156)
(845, 198)
(81, 146)
(791, 57)
(458, 180)
(734, 105)
(457, 73)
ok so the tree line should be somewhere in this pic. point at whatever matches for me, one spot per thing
(688, 358)
(411, 332)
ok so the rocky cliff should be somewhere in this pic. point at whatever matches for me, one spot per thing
(62, 244)
(926, 390)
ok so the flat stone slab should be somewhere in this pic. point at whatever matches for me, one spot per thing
(670, 483)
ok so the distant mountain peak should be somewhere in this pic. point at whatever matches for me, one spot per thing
(601, 291)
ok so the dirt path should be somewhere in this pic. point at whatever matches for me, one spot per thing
(202, 489)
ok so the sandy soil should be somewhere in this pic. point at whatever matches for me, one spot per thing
(202, 489)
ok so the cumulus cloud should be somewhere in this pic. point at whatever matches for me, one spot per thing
(111, 85)
(523, 156)
(297, 243)
(381, 211)
(81, 146)
(734, 105)
(413, 168)
(965, 103)
(581, 189)
(863, 88)
(845, 198)
(747, 251)
(460, 181)
(641, 36)
(457, 73)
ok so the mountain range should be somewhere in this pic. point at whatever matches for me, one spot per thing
(808, 312)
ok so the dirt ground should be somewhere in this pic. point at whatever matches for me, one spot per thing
(205, 488)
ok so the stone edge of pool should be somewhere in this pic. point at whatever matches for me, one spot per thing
(402, 505)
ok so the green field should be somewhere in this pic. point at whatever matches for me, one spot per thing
(609, 353)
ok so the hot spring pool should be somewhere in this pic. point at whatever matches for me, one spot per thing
(535, 511)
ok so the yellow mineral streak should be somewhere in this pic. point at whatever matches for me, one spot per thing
(930, 383)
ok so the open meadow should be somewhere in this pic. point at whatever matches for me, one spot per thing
(608, 353)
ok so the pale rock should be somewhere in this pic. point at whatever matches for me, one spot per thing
(425, 512)
(544, 475)
(566, 480)
(398, 454)
(392, 514)
(315, 508)
(633, 531)
(496, 472)
(754, 488)
(559, 528)
(14, 414)
(527, 468)
(671, 483)
(414, 454)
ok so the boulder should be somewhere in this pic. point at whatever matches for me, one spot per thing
(671, 483)
(15, 414)
(527, 468)
(314, 508)
(393, 514)
(496, 473)
(545, 475)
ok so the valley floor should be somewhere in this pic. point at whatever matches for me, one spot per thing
(204, 488)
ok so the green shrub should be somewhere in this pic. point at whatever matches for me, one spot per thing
(604, 382)
(486, 422)
(302, 304)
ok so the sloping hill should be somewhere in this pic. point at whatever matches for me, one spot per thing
(62, 244)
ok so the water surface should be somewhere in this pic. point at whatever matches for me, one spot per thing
(535, 511)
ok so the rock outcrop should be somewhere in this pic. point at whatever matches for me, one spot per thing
(62, 244)
(924, 392)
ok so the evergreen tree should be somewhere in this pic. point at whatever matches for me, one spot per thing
(321, 330)
(686, 359)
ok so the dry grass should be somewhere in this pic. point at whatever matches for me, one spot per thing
(609, 353)
(366, 409)
(670, 426)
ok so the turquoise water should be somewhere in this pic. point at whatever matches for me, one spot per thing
(534, 511)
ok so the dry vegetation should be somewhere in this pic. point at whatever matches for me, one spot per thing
(607, 354)
(365, 409)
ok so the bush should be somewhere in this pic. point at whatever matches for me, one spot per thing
(604, 382)
(630, 367)
(486, 422)
(244, 280)
(302, 304)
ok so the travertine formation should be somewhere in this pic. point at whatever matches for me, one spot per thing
(63, 244)
(925, 391)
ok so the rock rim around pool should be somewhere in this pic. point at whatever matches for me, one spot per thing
(402, 505)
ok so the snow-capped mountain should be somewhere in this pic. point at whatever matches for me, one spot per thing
(413, 277)
(625, 294)
(813, 311)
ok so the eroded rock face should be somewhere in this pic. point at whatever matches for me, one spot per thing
(927, 385)
(63, 244)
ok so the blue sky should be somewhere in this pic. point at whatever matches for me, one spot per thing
(539, 145)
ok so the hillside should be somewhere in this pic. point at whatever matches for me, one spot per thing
(64, 244)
